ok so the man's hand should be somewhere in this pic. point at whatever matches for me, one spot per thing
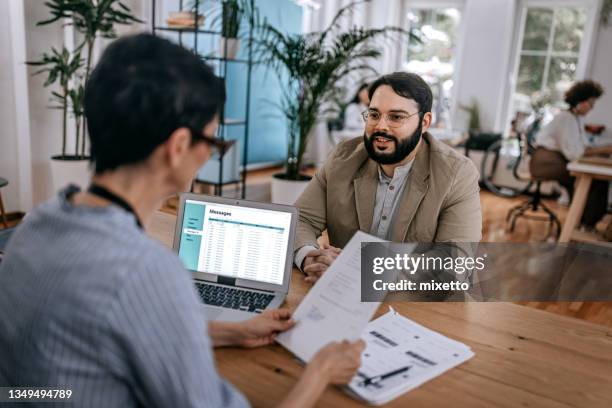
(317, 261)
(261, 330)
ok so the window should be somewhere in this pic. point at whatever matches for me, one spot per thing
(549, 54)
(434, 56)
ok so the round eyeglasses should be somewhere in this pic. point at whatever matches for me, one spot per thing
(394, 120)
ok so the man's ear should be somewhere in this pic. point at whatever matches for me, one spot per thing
(427, 118)
(178, 145)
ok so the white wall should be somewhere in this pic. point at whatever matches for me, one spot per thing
(45, 123)
(488, 28)
(601, 71)
(8, 141)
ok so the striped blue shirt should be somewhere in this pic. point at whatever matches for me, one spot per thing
(89, 303)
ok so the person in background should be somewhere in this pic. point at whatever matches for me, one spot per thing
(90, 303)
(352, 115)
(564, 140)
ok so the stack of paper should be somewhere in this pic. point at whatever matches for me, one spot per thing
(400, 355)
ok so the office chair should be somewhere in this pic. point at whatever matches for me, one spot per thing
(534, 203)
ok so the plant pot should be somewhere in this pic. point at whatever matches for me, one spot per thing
(287, 191)
(70, 170)
(231, 45)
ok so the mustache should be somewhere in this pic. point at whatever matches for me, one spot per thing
(384, 135)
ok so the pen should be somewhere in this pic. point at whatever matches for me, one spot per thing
(378, 378)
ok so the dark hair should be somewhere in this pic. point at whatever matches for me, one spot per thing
(142, 90)
(583, 91)
(361, 88)
(409, 86)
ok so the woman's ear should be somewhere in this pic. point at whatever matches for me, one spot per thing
(177, 146)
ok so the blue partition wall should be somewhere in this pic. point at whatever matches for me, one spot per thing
(267, 127)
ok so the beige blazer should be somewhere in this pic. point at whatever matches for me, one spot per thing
(441, 202)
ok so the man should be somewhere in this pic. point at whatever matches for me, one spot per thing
(88, 302)
(397, 182)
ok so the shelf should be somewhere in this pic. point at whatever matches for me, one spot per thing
(186, 30)
(225, 183)
(240, 61)
(222, 170)
(233, 122)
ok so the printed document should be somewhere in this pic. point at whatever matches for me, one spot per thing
(332, 310)
(402, 355)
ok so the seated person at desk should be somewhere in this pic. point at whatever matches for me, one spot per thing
(352, 115)
(396, 182)
(563, 140)
(90, 303)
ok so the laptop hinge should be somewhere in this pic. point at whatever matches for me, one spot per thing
(226, 280)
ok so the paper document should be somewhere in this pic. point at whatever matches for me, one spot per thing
(332, 310)
(400, 355)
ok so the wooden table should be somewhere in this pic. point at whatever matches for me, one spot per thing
(524, 357)
(584, 173)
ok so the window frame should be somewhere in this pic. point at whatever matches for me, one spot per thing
(584, 54)
(460, 40)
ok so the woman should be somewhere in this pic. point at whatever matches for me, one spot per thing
(564, 140)
(352, 115)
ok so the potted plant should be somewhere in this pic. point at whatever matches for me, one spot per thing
(232, 14)
(226, 16)
(312, 64)
(68, 70)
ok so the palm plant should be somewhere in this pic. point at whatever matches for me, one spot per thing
(229, 16)
(60, 67)
(314, 63)
(233, 11)
(92, 19)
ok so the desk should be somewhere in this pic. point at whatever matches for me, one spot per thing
(524, 356)
(584, 173)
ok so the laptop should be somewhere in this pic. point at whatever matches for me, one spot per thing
(240, 253)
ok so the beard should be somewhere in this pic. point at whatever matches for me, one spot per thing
(402, 148)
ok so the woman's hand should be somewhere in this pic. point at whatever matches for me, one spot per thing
(335, 363)
(338, 361)
(261, 330)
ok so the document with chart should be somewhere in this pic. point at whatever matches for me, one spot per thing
(332, 310)
(400, 355)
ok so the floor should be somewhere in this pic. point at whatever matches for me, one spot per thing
(494, 211)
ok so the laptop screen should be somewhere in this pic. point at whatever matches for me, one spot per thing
(235, 241)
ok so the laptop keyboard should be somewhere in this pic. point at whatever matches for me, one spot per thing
(233, 298)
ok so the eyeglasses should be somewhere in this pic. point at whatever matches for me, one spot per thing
(218, 146)
(394, 120)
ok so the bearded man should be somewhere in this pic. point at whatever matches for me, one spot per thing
(397, 182)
